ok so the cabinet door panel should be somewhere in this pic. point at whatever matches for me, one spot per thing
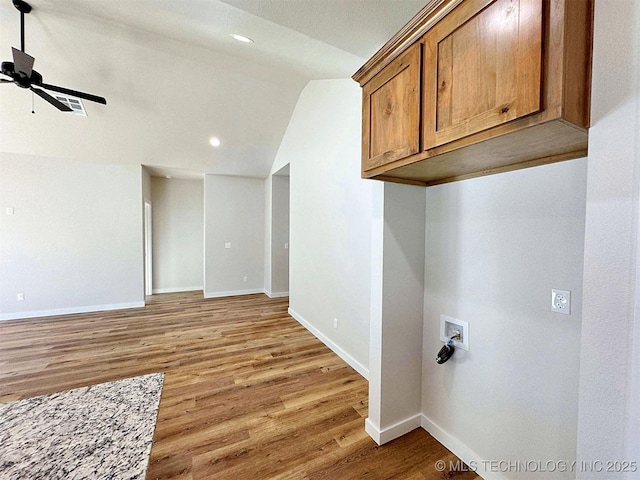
(482, 68)
(391, 112)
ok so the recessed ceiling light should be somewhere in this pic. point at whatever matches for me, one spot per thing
(241, 38)
(214, 141)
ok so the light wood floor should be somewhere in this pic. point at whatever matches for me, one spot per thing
(248, 392)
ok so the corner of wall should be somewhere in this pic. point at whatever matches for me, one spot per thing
(357, 366)
(481, 466)
(330, 211)
(391, 432)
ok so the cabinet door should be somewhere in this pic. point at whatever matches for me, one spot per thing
(391, 111)
(482, 68)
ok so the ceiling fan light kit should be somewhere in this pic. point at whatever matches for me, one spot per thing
(23, 75)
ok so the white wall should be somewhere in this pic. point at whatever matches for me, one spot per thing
(633, 426)
(608, 413)
(234, 213)
(178, 234)
(395, 368)
(267, 234)
(279, 235)
(276, 255)
(146, 186)
(146, 198)
(495, 247)
(74, 242)
(331, 213)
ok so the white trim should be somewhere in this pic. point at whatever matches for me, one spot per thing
(385, 435)
(372, 430)
(176, 289)
(460, 450)
(357, 366)
(232, 293)
(276, 294)
(70, 311)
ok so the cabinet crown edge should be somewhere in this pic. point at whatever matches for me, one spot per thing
(415, 28)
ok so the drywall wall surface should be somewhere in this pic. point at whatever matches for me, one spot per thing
(73, 240)
(146, 185)
(331, 213)
(267, 234)
(234, 217)
(402, 301)
(372, 423)
(282, 159)
(395, 355)
(633, 427)
(606, 412)
(178, 234)
(279, 235)
(633, 439)
(146, 198)
(495, 248)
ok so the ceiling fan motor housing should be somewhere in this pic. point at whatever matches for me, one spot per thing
(20, 78)
(22, 6)
(7, 68)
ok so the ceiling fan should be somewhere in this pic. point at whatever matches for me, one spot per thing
(23, 75)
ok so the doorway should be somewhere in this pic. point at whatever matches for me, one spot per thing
(148, 250)
(280, 192)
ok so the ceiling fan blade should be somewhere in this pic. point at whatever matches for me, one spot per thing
(75, 93)
(22, 62)
(56, 103)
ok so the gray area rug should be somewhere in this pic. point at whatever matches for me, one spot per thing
(103, 431)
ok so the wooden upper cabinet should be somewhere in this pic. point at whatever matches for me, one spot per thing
(391, 111)
(482, 68)
(497, 84)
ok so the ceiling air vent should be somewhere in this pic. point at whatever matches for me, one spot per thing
(74, 103)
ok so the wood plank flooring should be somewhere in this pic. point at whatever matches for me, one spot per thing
(248, 392)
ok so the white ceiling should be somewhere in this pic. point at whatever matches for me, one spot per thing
(173, 77)
(359, 27)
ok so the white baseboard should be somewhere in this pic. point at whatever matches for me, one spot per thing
(460, 450)
(357, 366)
(384, 435)
(232, 293)
(276, 294)
(176, 289)
(372, 430)
(69, 311)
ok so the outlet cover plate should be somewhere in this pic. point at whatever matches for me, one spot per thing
(450, 324)
(561, 301)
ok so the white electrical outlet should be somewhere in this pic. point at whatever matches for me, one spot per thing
(244, 279)
(335, 323)
(9, 210)
(20, 297)
(227, 245)
(561, 301)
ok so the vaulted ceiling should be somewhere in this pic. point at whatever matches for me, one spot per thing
(173, 77)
